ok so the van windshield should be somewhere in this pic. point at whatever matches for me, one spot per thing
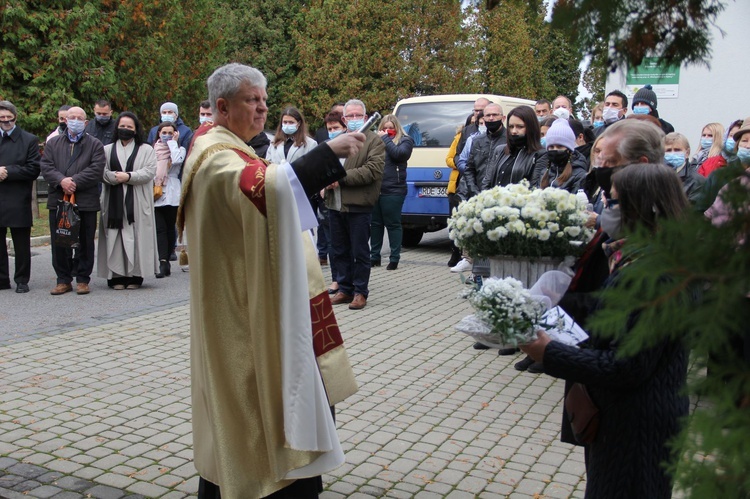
(434, 124)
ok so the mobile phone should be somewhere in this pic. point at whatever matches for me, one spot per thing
(371, 121)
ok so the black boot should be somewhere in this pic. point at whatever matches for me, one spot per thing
(165, 268)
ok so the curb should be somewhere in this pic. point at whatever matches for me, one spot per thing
(35, 241)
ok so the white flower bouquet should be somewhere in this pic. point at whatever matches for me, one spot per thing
(521, 222)
(506, 313)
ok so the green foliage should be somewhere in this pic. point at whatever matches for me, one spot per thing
(690, 283)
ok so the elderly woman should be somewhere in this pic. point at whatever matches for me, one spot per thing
(127, 233)
(639, 396)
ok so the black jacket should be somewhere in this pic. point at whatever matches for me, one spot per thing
(83, 161)
(19, 154)
(394, 170)
(524, 165)
(105, 133)
(575, 182)
(482, 148)
(692, 182)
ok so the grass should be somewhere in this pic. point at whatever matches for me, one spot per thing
(41, 224)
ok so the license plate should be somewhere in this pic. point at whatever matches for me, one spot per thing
(433, 192)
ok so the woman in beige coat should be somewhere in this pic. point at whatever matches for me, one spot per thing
(127, 232)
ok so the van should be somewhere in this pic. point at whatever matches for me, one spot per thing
(432, 121)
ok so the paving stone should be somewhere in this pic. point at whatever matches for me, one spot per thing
(27, 471)
(67, 495)
(104, 492)
(9, 481)
(6, 462)
(73, 483)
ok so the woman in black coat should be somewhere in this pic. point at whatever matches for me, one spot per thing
(639, 397)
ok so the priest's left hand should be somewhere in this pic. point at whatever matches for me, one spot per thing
(535, 349)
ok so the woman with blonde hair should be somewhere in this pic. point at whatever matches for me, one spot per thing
(677, 152)
(386, 214)
(711, 144)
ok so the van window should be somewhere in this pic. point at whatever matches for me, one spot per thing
(434, 124)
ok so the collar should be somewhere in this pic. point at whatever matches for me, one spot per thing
(9, 132)
(74, 139)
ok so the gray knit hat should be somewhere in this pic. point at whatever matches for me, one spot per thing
(560, 134)
(171, 106)
(647, 96)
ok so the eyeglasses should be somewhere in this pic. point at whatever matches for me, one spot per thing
(354, 116)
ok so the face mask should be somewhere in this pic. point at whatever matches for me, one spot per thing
(675, 160)
(166, 137)
(610, 115)
(706, 143)
(610, 221)
(204, 119)
(334, 134)
(103, 120)
(482, 129)
(168, 117)
(62, 127)
(604, 178)
(562, 113)
(641, 110)
(543, 141)
(391, 133)
(541, 118)
(76, 126)
(354, 125)
(558, 158)
(289, 129)
(517, 141)
(125, 133)
(493, 126)
(729, 145)
(599, 124)
(743, 153)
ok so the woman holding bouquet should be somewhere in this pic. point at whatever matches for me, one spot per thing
(638, 396)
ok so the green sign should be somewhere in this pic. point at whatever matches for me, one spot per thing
(665, 80)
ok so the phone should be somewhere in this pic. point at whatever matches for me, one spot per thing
(371, 121)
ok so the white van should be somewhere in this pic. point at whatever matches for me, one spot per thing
(432, 122)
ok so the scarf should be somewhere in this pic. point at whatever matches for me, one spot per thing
(163, 162)
(114, 217)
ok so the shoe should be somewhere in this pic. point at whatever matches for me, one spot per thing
(165, 268)
(480, 346)
(323, 261)
(133, 286)
(341, 297)
(185, 268)
(173, 256)
(523, 364)
(536, 368)
(455, 258)
(359, 302)
(508, 351)
(82, 288)
(61, 289)
(392, 266)
(22, 288)
(463, 266)
(374, 263)
(332, 291)
(119, 287)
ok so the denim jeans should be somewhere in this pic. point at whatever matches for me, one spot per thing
(350, 239)
(386, 214)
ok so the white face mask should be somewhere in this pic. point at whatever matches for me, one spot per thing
(562, 113)
(610, 115)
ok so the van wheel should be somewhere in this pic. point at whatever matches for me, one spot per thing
(411, 238)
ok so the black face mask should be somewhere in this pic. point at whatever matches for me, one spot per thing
(493, 126)
(558, 158)
(604, 178)
(63, 126)
(516, 142)
(125, 133)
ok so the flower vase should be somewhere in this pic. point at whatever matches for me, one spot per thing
(526, 270)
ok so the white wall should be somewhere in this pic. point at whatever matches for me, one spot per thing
(721, 93)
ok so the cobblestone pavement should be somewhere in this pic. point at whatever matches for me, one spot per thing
(103, 410)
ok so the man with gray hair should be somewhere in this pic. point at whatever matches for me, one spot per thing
(350, 202)
(19, 167)
(267, 358)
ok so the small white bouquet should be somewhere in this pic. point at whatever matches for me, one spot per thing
(506, 313)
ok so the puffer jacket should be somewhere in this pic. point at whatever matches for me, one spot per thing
(394, 171)
(575, 182)
(483, 148)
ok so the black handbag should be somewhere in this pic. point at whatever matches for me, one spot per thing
(68, 227)
(583, 414)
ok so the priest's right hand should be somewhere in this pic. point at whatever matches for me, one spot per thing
(347, 144)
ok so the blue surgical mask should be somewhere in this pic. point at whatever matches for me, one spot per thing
(204, 119)
(743, 153)
(166, 138)
(674, 159)
(334, 134)
(76, 126)
(706, 143)
(598, 123)
(482, 129)
(289, 129)
(729, 145)
(354, 125)
(168, 117)
(544, 142)
(641, 110)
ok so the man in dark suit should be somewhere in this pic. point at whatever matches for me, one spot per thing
(19, 167)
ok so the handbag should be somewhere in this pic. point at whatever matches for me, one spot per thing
(158, 192)
(68, 223)
(583, 415)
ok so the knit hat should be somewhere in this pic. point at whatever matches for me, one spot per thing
(560, 134)
(745, 128)
(647, 96)
(169, 106)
